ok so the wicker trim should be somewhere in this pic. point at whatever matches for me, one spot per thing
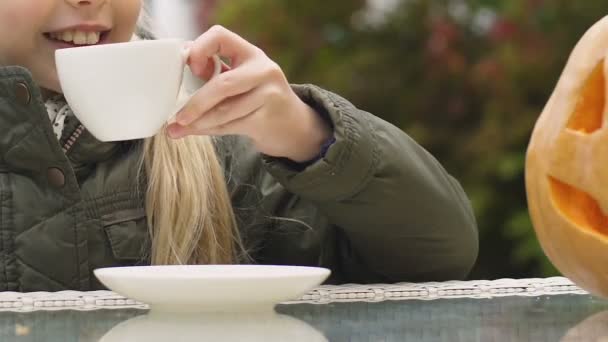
(444, 290)
(73, 300)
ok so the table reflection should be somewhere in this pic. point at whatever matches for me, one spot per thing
(565, 318)
(594, 328)
(161, 326)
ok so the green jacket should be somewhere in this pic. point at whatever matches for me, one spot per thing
(380, 207)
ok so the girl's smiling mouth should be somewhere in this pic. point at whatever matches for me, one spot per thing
(78, 36)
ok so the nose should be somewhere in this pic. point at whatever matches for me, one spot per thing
(79, 3)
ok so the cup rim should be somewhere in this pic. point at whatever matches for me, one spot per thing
(119, 45)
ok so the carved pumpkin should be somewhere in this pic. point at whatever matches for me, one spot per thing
(567, 167)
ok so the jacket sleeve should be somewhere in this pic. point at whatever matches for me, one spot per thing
(397, 214)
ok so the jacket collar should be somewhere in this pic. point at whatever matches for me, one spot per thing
(26, 136)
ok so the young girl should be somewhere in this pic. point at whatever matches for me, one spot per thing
(296, 175)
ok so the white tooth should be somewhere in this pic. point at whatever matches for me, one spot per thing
(93, 38)
(67, 36)
(80, 38)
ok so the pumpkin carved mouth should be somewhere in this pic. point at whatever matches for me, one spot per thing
(579, 207)
(589, 111)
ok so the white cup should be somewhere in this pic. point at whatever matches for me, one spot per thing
(124, 91)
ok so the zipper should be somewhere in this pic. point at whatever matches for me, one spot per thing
(73, 138)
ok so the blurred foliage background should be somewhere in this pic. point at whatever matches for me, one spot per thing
(466, 78)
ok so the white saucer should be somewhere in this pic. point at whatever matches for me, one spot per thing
(201, 288)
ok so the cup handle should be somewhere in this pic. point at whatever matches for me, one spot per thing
(182, 97)
(217, 65)
(217, 62)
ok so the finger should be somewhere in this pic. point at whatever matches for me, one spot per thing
(220, 41)
(230, 110)
(209, 69)
(239, 126)
(231, 83)
(231, 123)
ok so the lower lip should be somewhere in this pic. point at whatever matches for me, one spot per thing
(58, 44)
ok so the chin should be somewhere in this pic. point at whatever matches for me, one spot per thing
(51, 84)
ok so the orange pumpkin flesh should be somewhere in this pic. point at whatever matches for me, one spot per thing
(580, 208)
(567, 167)
(587, 116)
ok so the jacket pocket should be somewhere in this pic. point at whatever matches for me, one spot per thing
(127, 233)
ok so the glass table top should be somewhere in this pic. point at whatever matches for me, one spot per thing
(564, 317)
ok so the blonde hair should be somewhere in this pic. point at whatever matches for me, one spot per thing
(190, 215)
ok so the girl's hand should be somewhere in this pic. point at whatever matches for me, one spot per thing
(251, 98)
